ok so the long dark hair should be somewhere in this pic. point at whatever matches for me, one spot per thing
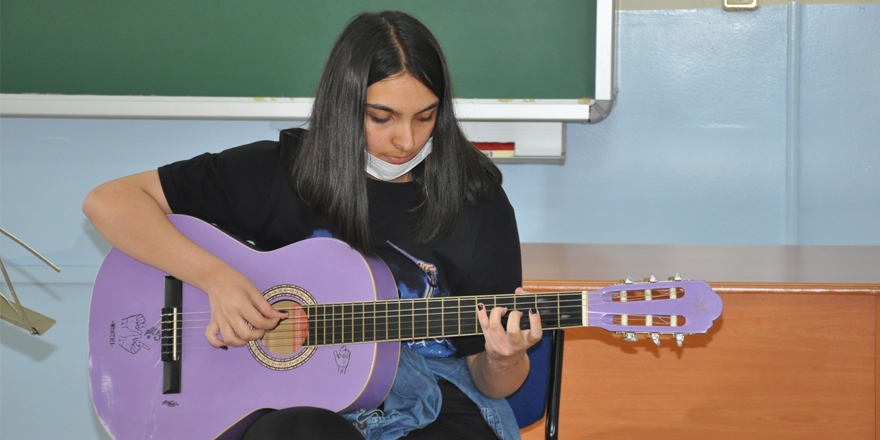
(329, 169)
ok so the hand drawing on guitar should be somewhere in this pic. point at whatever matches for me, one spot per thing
(339, 348)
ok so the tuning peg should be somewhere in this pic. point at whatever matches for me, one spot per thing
(628, 280)
(656, 338)
(679, 338)
(651, 279)
(677, 277)
(628, 336)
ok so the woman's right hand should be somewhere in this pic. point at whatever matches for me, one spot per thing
(239, 313)
(131, 213)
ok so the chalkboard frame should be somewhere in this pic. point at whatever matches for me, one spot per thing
(267, 108)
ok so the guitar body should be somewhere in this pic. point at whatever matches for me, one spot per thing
(223, 391)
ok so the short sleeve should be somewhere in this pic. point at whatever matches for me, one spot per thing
(231, 189)
(496, 264)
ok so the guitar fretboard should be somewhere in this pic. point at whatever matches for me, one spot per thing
(411, 319)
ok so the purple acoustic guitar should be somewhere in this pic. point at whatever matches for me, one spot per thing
(154, 376)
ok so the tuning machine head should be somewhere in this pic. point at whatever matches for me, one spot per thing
(655, 337)
(679, 338)
(628, 336)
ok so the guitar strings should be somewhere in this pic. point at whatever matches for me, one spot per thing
(344, 319)
(356, 329)
(334, 328)
(327, 314)
(187, 339)
(575, 302)
(359, 325)
(414, 311)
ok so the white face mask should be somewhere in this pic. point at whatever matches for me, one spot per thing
(382, 170)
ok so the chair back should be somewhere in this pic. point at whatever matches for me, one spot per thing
(530, 401)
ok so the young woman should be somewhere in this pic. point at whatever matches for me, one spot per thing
(385, 168)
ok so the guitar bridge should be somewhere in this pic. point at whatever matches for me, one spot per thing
(171, 335)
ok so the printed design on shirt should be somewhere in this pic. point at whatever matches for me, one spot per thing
(321, 233)
(419, 280)
(415, 278)
(131, 336)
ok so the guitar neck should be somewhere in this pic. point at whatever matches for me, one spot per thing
(428, 318)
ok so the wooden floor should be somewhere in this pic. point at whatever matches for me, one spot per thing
(786, 360)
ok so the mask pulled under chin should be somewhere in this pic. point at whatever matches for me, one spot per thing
(387, 172)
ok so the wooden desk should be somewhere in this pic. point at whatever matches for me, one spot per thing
(793, 356)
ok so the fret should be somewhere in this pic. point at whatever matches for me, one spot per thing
(420, 319)
(558, 310)
(570, 309)
(460, 313)
(381, 311)
(369, 318)
(435, 314)
(548, 307)
(529, 302)
(310, 332)
(442, 317)
(327, 323)
(507, 301)
(311, 338)
(321, 324)
(393, 320)
(346, 332)
(322, 316)
(336, 326)
(451, 316)
(406, 320)
(468, 321)
(357, 322)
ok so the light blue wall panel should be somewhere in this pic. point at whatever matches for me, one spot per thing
(840, 125)
(49, 165)
(694, 149)
(45, 382)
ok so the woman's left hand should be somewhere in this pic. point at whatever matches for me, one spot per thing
(506, 348)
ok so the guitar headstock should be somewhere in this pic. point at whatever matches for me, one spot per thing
(655, 308)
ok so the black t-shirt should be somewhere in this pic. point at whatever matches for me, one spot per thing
(247, 192)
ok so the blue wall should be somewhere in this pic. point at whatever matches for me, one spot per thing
(711, 107)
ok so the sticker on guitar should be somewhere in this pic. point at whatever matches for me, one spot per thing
(130, 335)
(343, 356)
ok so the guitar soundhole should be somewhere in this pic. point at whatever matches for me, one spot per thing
(284, 347)
(291, 333)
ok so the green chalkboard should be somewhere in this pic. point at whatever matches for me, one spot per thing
(496, 49)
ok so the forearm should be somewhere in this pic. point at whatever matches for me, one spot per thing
(499, 378)
(128, 215)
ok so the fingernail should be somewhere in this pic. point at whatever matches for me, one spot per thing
(480, 306)
(532, 311)
(224, 347)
